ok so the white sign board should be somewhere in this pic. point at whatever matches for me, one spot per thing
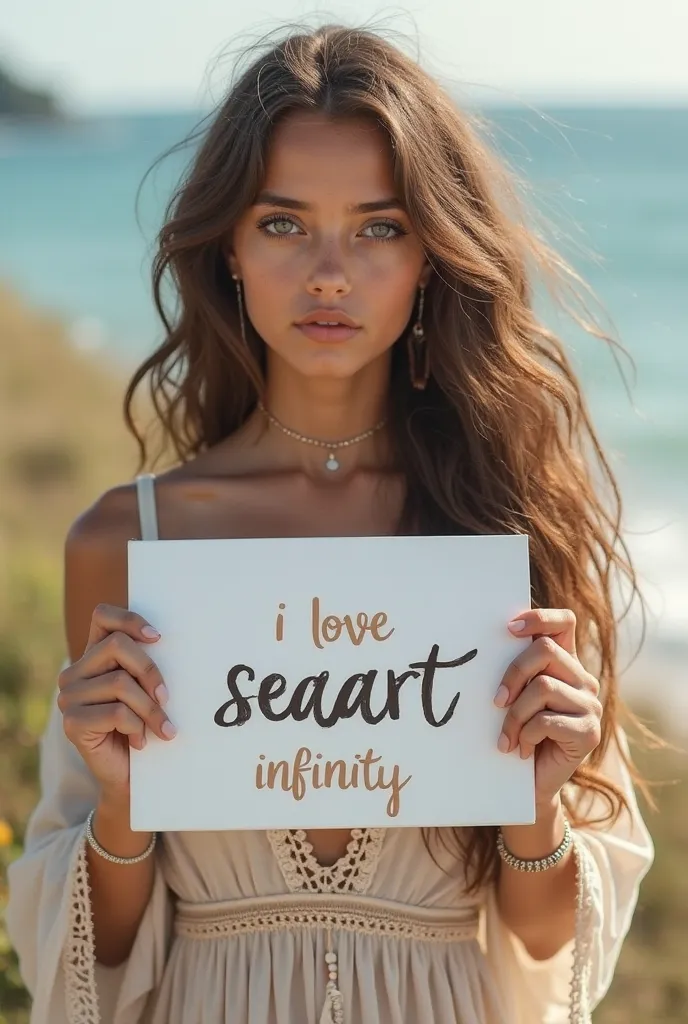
(331, 682)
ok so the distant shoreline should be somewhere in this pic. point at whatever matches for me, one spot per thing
(19, 102)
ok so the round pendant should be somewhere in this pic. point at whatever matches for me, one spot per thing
(332, 464)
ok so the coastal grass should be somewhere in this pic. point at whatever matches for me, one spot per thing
(62, 442)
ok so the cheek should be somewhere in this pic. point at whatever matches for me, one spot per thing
(264, 263)
(271, 282)
(269, 265)
(391, 287)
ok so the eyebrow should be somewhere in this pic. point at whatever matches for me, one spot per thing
(272, 199)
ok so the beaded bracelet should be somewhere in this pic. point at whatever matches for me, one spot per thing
(541, 864)
(95, 845)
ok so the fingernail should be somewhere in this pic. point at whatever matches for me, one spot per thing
(143, 742)
(503, 743)
(516, 625)
(168, 730)
(150, 633)
(525, 754)
(162, 695)
(501, 696)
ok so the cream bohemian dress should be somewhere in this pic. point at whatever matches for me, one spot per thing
(239, 923)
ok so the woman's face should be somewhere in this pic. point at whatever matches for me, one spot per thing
(327, 233)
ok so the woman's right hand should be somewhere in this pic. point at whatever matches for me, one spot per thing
(112, 694)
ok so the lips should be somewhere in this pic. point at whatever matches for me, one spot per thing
(328, 325)
(328, 317)
(327, 332)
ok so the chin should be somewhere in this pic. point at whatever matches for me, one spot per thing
(332, 363)
(328, 362)
(326, 369)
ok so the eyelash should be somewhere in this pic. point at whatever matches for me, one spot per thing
(277, 217)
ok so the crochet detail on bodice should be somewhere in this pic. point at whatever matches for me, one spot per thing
(352, 873)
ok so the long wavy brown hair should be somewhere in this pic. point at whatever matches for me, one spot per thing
(500, 441)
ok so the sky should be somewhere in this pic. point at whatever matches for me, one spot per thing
(174, 54)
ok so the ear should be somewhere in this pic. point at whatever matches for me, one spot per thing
(231, 260)
(425, 276)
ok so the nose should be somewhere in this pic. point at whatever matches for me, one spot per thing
(329, 278)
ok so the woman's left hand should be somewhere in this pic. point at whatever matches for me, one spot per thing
(554, 710)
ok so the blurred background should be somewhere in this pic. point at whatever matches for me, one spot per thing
(587, 102)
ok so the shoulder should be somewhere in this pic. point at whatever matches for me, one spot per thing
(95, 564)
(104, 529)
(96, 544)
(107, 525)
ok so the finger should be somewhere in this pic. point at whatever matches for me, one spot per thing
(107, 618)
(542, 693)
(576, 735)
(117, 650)
(559, 623)
(87, 724)
(117, 685)
(543, 657)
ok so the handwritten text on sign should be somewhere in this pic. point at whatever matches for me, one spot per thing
(355, 696)
(312, 685)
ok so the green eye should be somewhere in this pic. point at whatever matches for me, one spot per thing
(385, 230)
(281, 225)
(381, 230)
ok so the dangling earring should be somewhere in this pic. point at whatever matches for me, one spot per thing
(418, 351)
(240, 303)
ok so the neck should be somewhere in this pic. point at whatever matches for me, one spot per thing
(328, 409)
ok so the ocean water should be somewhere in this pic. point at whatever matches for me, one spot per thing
(613, 182)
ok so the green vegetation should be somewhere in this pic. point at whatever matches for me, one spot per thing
(62, 442)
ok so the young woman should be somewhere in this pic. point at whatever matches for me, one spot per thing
(354, 352)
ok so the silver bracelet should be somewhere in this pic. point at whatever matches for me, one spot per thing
(95, 845)
(541, 864)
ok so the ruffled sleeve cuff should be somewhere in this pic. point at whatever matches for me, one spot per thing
(95, 994)
(611, 862)
(555, 990)
(48, 914)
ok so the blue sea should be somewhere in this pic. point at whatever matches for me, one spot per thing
(612, 182)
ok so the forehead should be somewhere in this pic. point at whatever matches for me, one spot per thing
(312, 156)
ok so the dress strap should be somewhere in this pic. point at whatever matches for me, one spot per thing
(148, 515)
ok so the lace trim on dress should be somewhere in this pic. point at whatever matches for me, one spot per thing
(352, 873)
(367, 917)
(579, 1006)
(81, 994)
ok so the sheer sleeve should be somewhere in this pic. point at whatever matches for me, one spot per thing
(611, 862)
(49, 911)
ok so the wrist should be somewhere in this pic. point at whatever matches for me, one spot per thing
(118, 858)
(532, 842)
(113, 801)
(111, 826)
(548, 810)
